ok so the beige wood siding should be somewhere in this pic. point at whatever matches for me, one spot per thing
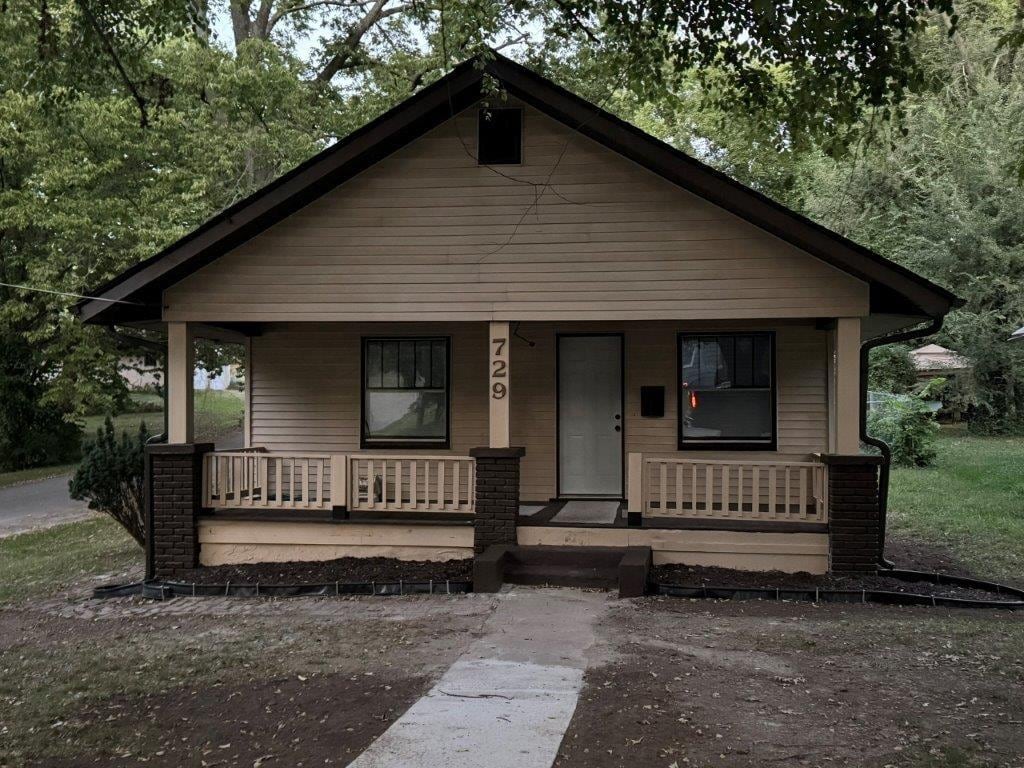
(306, 384)
(650, 352)
(579, 232)
(306, 388)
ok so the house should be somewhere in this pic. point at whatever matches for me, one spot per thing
(932, 361)
(482, 321)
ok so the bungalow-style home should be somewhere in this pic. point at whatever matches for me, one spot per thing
(515, 320)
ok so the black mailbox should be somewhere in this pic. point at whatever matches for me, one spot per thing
(652, 402)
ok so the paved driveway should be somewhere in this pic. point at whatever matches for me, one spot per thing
(38, 504)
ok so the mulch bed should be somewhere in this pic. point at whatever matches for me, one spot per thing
(344, 570)
(692, 576)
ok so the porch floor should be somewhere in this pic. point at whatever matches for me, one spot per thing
(573, 513)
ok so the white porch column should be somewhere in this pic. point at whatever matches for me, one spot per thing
(846, 397)
(180, 365)
(500, 343)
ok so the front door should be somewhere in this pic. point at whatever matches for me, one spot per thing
(590, 415)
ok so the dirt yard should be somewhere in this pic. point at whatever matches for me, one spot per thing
(673, 683)
(700, 683)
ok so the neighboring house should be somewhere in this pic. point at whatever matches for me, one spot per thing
(533, 324)
(145, 373)
(932, 361)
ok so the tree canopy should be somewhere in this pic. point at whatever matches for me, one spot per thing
(124, 124)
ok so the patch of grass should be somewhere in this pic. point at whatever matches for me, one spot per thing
(217, 414)
(971, 501)
(41, 563)
(38, 473)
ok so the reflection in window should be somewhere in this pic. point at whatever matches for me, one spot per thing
(726, 389)
(405, 391)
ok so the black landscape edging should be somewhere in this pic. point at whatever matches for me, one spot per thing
(884, 597)
(162, 590)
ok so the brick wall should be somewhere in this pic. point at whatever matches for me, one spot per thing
(174, 495)
(497, 496)
(854, 526)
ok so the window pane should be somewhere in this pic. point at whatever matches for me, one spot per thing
(422, 364)
(439, 365)
(762, 361)
(690, 364)
(373, 363)
(406, 363)
(727, 414)
(743, 370)
(407, 415)
(726, 345)
(389, 366)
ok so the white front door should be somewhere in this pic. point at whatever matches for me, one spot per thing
(590, 416)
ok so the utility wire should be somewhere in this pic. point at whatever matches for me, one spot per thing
(73, 295)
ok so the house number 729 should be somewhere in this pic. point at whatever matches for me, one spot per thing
(499, 369)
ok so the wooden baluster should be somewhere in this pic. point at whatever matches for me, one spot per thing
(693, 489)
(772, 499)
(739, 491)
(789, 494)
(803, 493)
(278, 482)
(725, 490)
(320, 482)
(662, 490)
(440, 483)
(414, 491)
(755, 492)
(456, 485)
(679, 489)
(709, 490)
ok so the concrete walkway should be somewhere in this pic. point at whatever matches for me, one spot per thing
(506, 703)
(38, 504)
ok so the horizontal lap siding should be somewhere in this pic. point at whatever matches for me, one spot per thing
(576, 234)
(650, 350)
(306, 385)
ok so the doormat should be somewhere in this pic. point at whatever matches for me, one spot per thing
(594, 512)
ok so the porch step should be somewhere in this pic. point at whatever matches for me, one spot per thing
(597, 567)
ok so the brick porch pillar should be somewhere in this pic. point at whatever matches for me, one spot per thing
(497, 496)
(174, 497)
(854, 516)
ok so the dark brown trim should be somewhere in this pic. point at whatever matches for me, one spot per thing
(558, 412)
(711, 444)
(894, 288)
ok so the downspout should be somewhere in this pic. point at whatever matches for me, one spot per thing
(883, 474)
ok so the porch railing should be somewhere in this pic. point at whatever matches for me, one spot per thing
(747, 490)
(260, 479)
(412, 483)
(254, 478)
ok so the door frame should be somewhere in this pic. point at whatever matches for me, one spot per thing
(558, 411)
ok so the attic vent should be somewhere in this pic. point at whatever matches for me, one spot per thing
(500, 137)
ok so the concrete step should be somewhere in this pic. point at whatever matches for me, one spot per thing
(595, 567)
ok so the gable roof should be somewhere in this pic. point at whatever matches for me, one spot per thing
(135, 294)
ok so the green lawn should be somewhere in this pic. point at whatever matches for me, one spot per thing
(42, 563)
(28, 475)
(971, 501)
(217, 414)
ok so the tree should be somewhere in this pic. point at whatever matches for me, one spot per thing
(891, 369)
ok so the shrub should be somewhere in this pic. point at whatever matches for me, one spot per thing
(111, 475)
(908, 426)
(891, 369)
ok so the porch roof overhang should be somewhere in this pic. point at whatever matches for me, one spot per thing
(135, 296)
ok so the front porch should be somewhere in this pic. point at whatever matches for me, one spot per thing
(401, 438)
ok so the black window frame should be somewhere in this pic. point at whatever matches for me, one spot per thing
(406, 443)
(479, 125)
(717, 443)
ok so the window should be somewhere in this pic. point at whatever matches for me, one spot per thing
(405, 392)
(727, 391)
(500, 137)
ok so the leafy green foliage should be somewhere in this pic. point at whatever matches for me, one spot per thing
(110, 477)
(891, 369)
(31, 434)
(908, 427)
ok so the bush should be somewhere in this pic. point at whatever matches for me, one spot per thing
(111, 476)
(908, 426)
